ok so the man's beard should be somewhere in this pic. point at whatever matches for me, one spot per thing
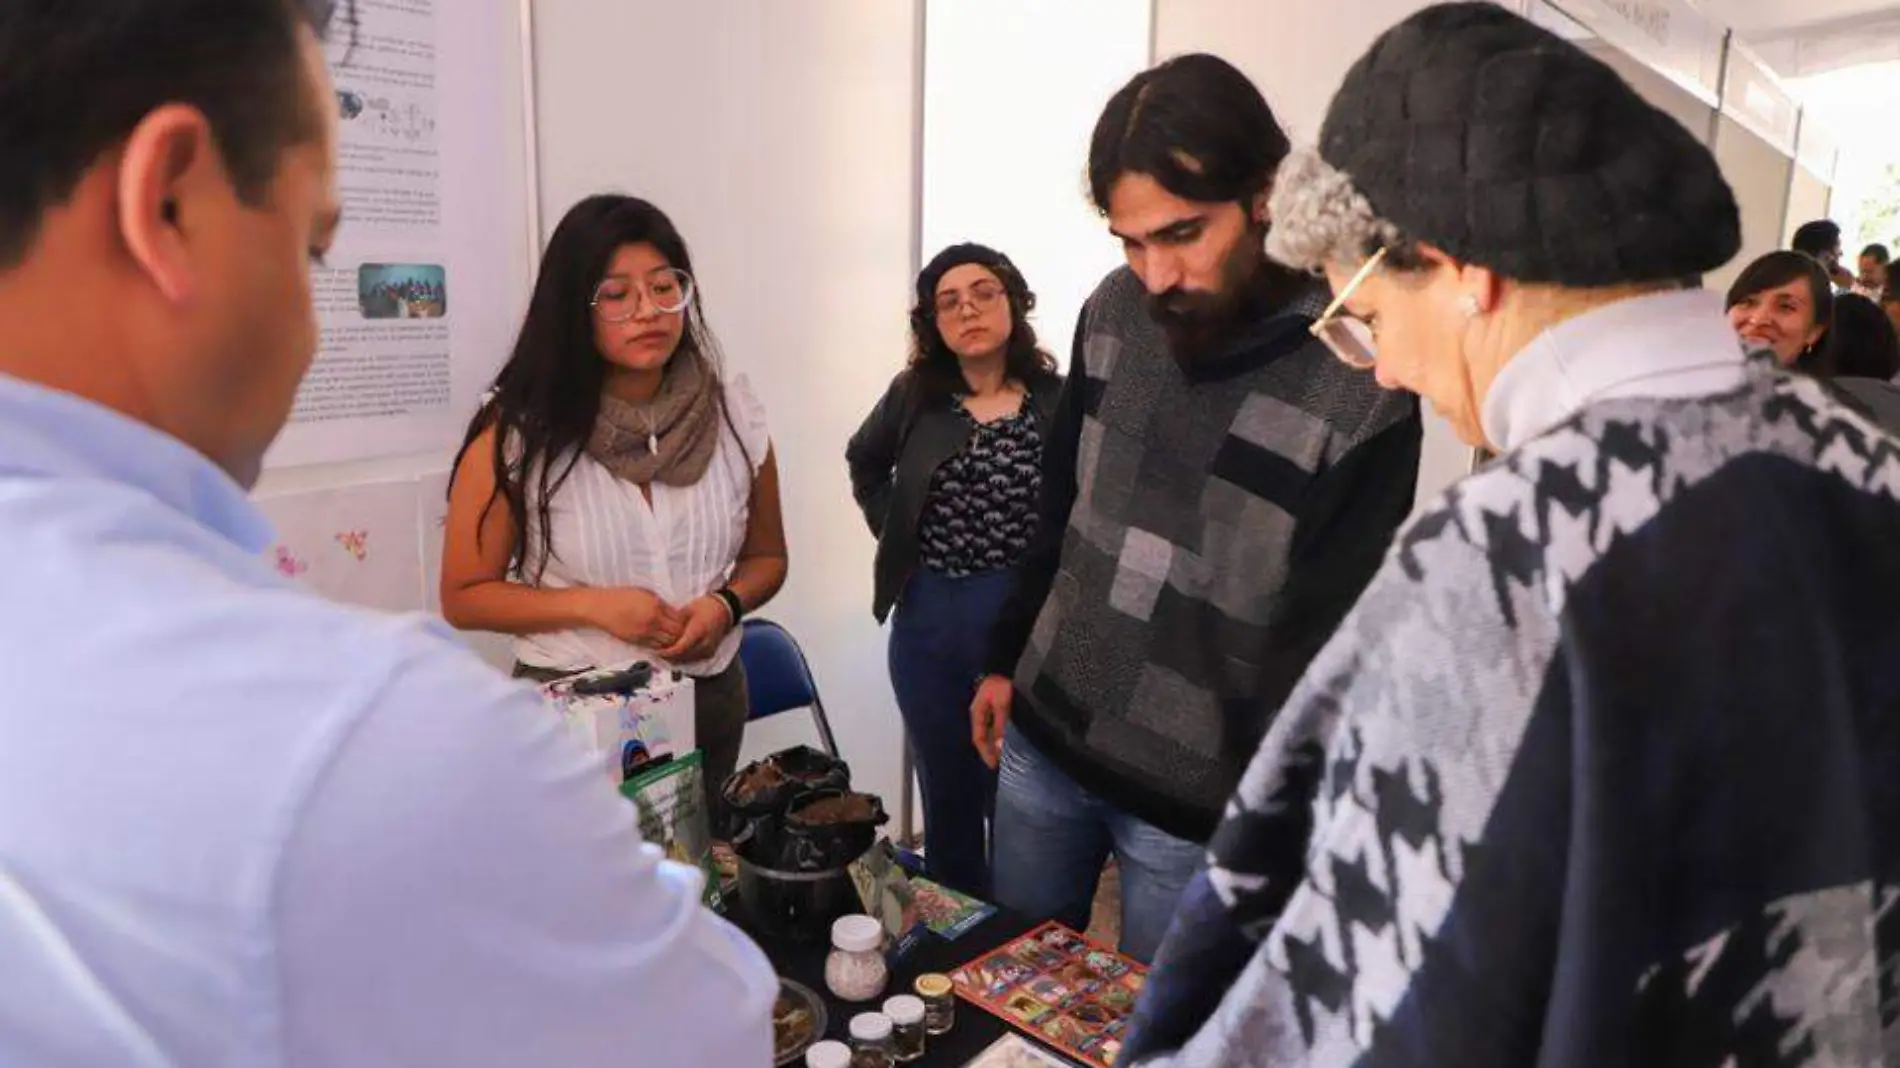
(1200, 325)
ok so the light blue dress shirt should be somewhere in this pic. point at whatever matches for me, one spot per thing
(240, 825)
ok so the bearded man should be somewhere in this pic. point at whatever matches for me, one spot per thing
(1218, 489)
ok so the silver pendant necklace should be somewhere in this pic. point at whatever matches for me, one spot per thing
(653, 440)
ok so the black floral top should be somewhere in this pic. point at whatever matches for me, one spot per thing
(981, 513)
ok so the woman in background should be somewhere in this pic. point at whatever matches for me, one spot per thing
(1862, 343)
(617, 498)
(947, 469)
(1865, 353)
(1783, 302)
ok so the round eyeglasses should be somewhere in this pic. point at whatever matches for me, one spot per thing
(981, 296)
(1348, 336)
(666, 291)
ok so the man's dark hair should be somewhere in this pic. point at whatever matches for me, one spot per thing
(77, 77)
(1817, 238)
(1194, 124)
(1878, 252)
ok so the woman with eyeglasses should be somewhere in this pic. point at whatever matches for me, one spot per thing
(947, 469)
(1601, 768)
(617, 497)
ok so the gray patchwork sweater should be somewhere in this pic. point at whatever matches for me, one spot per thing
(1204, 532)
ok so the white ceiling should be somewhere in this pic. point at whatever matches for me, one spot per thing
(1800, 38)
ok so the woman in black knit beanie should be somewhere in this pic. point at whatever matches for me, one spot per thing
(1600, 770)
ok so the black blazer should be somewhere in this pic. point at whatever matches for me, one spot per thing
(893, 457)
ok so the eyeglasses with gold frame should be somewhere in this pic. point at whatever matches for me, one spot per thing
(1348, 336)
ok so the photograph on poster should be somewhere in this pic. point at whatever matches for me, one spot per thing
(359, 545)
(402, 291)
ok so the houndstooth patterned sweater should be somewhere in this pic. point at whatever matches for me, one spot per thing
(1604, 769)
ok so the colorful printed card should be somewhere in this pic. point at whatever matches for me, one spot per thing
(949, 914)
(628, 732)
(1060, 987)
(891, 896)
(671, 804)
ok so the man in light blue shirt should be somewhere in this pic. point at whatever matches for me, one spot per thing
(240, 825)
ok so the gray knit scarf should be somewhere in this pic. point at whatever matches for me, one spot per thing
(669, 439)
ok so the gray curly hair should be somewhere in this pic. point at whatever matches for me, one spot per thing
(1320, 217)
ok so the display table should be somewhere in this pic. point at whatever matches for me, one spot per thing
(975, 1030)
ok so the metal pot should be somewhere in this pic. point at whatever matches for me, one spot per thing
(795, 906)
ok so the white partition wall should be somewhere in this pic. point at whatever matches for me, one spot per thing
(1755, 140)
(1674, 40)
(1760, 174)
(1012, 89)
(781, 138)
(1817, 155)
(1808, 198)
(1297, 52)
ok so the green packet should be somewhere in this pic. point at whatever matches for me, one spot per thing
(670, 799)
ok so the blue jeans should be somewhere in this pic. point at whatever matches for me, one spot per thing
(1053, 836)
(939, 638)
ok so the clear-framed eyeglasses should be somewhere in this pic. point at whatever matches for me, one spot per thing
(982, 296)
(1348, 336)
(667, 291)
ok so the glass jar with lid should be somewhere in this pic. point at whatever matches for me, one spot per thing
(871, 1041)
(828, 1055)
(907, 1026)
(940, 1003)
(856, 971)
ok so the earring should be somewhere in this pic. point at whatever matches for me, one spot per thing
(1468, 306)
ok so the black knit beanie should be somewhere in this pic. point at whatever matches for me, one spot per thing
(1479, 132)
(950, 259)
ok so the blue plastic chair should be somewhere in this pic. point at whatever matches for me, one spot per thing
(778, 677)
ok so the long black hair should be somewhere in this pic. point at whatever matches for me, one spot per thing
(547, 396)
(935, 369)
(1778, 269)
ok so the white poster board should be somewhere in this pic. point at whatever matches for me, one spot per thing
(418, 298)
(433, 504)
(359, 545)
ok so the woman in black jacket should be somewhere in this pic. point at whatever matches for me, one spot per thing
(947, 469)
